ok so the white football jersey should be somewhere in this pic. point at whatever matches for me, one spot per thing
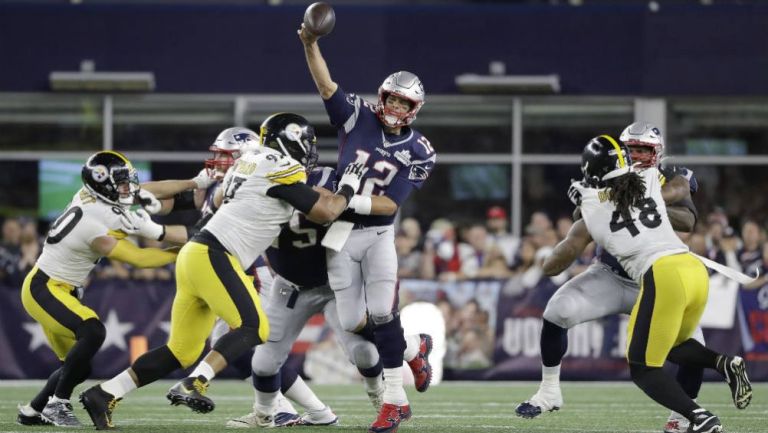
(67, 255)
(249, 220)
(637, 239)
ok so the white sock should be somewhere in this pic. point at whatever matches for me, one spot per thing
(394, 393)
(265, 402)
(119, 385)
(412, 343)
(204, 369)
(550, 376)
(300, 393)
(282, 404)
(373, 383)
(54, 399)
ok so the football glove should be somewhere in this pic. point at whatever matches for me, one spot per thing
(139, 223)
(204, 179)
(574, 194)
(148, 201)
(353, 175)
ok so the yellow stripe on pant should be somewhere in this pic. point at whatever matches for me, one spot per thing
(210, 283)
(53, 305)
(673, 294)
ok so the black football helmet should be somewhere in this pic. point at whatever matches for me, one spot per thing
(604, 158)
(104, 172)
(291, 135)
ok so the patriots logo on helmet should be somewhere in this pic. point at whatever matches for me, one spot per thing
(242, 137)
(99, 173)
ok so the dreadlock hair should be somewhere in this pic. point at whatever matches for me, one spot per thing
(626, 191)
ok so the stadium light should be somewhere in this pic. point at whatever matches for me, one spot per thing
(515, 84)
(91, 81)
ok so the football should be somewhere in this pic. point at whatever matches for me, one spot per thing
(319, 18)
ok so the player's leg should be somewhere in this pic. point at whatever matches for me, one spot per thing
(690, 377)
(362, 352)
(656, 324)
(228, 292)
(379, 266)
(593, 294)
(191, 323)
(287, 309)
(75, 334)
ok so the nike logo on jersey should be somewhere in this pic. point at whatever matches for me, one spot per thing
(381, 233)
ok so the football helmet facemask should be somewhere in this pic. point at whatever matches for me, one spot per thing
(110, 176)
(405, 85)
(228, 147)
(291, 135)
(604, 158)
(644, 134)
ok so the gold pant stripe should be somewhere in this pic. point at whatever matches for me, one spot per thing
(51, 303)
(672, 298)
(210, 283)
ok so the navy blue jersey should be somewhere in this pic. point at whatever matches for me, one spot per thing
(669, 173)
(397, 164)
(296, 254)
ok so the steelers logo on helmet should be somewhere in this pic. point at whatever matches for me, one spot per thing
(99, 173)
(293, 132)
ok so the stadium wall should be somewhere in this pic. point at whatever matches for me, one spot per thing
(596, 49)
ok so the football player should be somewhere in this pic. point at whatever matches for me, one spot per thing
(260, 191)
(88, 230)
(362, 261)
(300, 290)
(605, 288)
(624, 211)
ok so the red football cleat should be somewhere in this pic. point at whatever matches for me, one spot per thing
(420, 366)
(389, 418)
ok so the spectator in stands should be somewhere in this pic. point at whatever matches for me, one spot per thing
(10, 254)
(408, 257)
(440, 259)
(750, 255)
(29, 244)
(562, 226)
(471, 354)
(479, 256)
(497, 224)
(412, 229)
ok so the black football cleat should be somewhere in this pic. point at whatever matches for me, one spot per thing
(704, 422)
(736, 375)
(28, 416)
(99, 404)
(190, 392)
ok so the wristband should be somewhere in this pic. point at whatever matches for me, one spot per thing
(361, 204)
(347, 192)
(162, 236)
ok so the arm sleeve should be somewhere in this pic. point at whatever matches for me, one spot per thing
(299, 195)
(343, 109)
(129, 253)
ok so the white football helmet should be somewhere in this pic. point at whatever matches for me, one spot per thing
(406, 85)
(644, 134)
(229, 146)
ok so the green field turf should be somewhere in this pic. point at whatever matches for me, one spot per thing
(456, 407)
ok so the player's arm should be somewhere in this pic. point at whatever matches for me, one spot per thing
(316, 63)
(363, 205)
(319, 208)
(568, 249)
(139, 223)
(126, 252)
(675, 190)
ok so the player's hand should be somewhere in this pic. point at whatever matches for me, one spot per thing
(306, 37)
(353, 175)
(148, 201)
(204, 179)
(138, 222)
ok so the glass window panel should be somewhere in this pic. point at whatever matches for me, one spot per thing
(545, 189)
(565, 125)
(717, 127)
(739, 190)
(460, 192)
(18, 187)
(34, 122)
(167, 123)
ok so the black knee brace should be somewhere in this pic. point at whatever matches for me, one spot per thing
(155, 364)
(236, 342)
